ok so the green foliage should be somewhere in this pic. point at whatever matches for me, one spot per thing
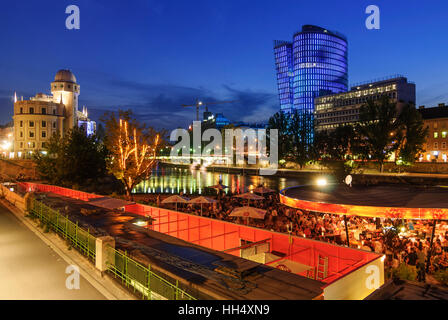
(414, 134)
(405, 272)
(379, 129)
(281, 122)
(442, 276)
(293, 136)
(72, 159)
(333, 150)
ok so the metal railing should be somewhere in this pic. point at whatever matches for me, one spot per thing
(142, 279)
(78, 237)
(132, 273)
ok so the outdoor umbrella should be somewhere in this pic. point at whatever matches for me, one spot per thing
(175, 199)
(248, 212)
(219, 186)
(263, 190)
(201, 200)
(249, 196)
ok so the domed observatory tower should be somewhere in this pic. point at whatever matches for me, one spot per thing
(65, 90)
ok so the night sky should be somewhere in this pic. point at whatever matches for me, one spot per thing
(154, 55)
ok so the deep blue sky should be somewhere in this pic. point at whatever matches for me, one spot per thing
(153, 55)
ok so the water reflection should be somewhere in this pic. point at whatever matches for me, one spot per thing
(176, 180)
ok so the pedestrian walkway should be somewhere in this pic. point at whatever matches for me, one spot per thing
(29, 269)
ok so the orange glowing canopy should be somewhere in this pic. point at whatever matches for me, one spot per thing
(366, 211)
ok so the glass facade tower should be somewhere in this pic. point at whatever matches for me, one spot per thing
(313, 65)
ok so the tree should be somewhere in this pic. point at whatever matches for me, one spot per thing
(300, 151)
(280, 121)
(72, 159)
(379, 132)
(414, 134)
(333, 150)
(132, 148)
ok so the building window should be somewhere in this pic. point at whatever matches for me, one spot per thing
(444, 134)
(44, 134)
(44, 145)
(21, 110)
(435, 125)
(443, 145)
(436, 145)
(21, 123)
(54, 111)
(436, 135)
(31, 134)
(54, 124)
(21, 144)
(31, 123)
(44, 110)
(21, 134)
(44, 124)
(31, 110)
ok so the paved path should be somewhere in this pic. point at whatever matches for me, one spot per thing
(29, 269)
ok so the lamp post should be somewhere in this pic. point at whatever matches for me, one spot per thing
(346, 230)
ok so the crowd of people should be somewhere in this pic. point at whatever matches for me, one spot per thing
(403, 242)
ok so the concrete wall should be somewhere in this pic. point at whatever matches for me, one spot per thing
(13, 168)
(358, 284)
(13, 198)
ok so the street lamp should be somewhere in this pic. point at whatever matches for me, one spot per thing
(321, 182)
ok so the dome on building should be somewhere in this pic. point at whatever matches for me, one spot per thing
(65, 75)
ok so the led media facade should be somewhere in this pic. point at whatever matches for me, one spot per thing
(313, 65)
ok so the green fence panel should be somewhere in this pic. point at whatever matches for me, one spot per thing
(132, 273)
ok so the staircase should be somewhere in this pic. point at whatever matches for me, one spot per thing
(322, 268)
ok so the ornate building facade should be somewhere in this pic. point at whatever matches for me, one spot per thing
(40, 117)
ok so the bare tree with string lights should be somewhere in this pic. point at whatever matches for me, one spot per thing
(133, 149)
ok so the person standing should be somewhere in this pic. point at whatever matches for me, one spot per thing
(421, 260)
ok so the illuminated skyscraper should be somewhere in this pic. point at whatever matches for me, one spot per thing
(313, 65)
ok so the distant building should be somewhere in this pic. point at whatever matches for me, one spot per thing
(217, 121)
(6, 139)
(37, 119)
(436, 120)
(314, 64)
(334, 110)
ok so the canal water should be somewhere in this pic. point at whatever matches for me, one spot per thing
(176, 180)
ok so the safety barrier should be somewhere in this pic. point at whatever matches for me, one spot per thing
(142, 279)
(78, 237)
(132, 273)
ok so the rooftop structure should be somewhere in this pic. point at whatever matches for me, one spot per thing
(383, 201)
